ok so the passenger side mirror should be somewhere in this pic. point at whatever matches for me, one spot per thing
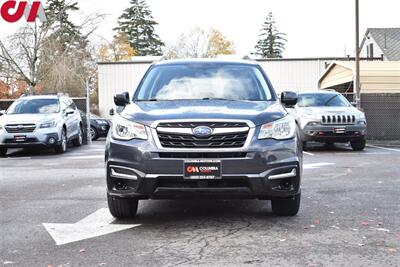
(69, 111)
(112, 113)
(289, 99)
(122, 99)
(2, 112)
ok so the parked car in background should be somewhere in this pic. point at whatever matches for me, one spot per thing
(204, 128)
(328, 117)
(47, 121)
(99, 127)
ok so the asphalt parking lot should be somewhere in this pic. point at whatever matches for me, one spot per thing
(53, 213)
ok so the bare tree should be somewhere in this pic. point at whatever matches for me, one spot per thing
(198, 43)
(29, 55)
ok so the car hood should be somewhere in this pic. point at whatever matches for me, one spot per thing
(328, 110)
(259, 112)
(26, 118)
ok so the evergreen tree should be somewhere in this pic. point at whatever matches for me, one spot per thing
(64, 31)
(272, 42)
(138, 24)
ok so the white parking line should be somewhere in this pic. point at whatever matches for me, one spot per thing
(385, 148)
(308, 153)
(86, 157)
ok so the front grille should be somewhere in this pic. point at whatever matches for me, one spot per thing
(215, 183)
(338, 119)
(213, 141)
(20, 128)
(209, 124)
(211, 155)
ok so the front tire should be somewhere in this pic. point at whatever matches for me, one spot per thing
(358, 145)
(62, 148)
(286, 206)
(3, 151)
(122, 208)
(79, 140)
(93, 133)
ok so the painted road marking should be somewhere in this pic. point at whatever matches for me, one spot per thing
(85, 157)
(96, 224)
(385, 148)
(308, 153)
(317, 165)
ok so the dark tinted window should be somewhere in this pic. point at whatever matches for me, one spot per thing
(199, 81)
(321, 100)
(34, 106)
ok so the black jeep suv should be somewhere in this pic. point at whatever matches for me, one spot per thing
(204, 128)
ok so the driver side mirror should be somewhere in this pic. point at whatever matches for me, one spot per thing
(122, 99)
(289, 99)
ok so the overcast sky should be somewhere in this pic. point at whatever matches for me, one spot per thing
(314, 28)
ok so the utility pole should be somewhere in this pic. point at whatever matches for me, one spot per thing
(88, 135)
(357, 78)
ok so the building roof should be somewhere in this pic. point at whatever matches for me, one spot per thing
(375, 76)
(388, 40)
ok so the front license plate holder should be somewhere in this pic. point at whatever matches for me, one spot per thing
(202, 169)
(19, 138)
(339, 130)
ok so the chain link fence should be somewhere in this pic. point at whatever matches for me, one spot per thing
(383, 115)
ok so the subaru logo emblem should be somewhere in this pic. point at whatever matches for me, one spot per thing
(202, 131)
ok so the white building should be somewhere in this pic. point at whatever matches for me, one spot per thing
(381, 42)
(295, 74)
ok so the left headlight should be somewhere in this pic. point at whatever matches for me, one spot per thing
(284, 128)
(124, 129)
(101, 122)
(49, 124)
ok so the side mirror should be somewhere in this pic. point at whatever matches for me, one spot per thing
(289, 99)
(122, 99)
(2, 112)
(69, 111)
(112, 113)
(354, 104)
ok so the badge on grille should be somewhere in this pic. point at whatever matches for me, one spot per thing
(202, 131)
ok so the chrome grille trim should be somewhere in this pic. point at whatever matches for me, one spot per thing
(20, 128)
(338, 119)
(240, 130)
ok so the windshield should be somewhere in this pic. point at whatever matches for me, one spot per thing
(204, 81)
(34, 106)
(321, 100)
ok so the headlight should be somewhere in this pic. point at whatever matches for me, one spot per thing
(361, 116)
(124, 129)
(49, 124)
(101, 122)
(284, 128)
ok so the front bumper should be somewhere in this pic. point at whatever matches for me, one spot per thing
(265, 170)
(333, 133)
(40, 137)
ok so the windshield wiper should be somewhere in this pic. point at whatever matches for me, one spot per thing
(217, 98)
(330, 99)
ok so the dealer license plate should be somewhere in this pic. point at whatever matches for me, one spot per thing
(202, 169)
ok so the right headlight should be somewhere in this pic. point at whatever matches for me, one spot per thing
(124, 129)
(284, 128)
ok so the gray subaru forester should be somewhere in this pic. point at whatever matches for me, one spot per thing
(203, 128)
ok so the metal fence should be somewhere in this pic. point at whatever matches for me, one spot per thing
(383, 115)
